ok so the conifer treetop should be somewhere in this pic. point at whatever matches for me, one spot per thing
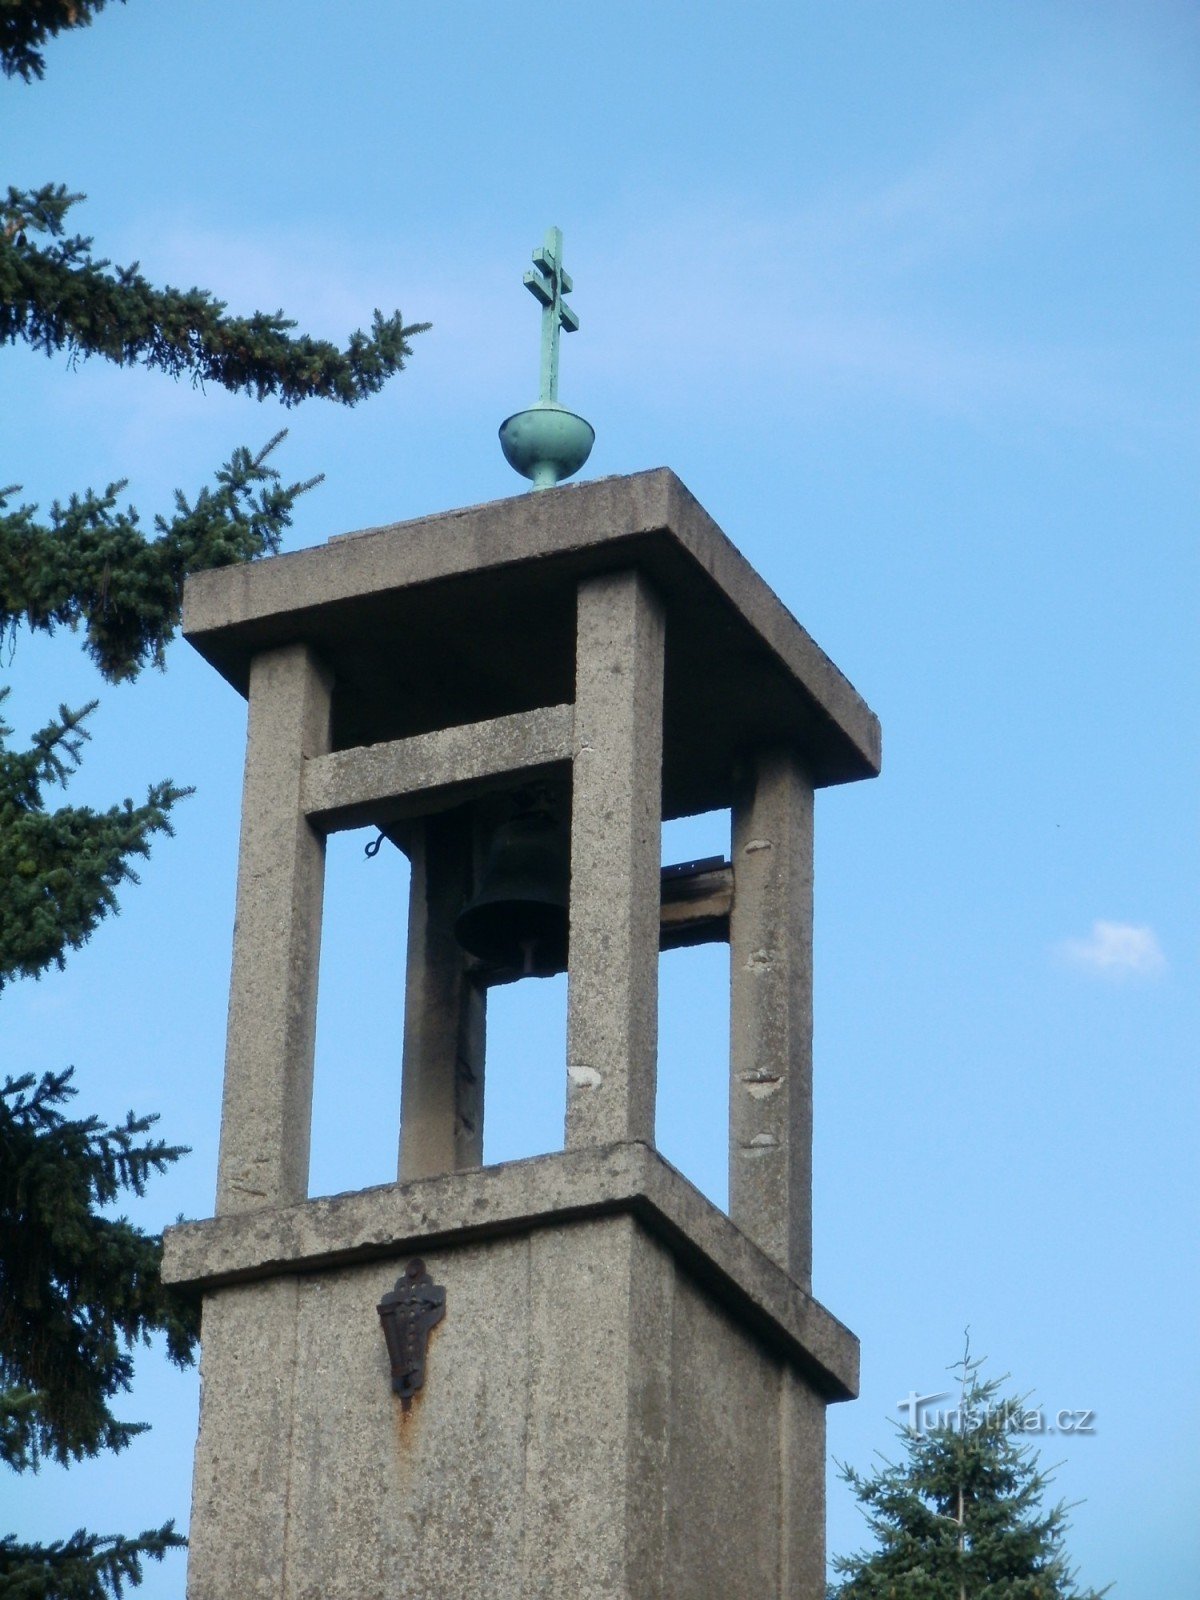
(963, 1515)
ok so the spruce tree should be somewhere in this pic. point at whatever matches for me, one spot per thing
(77, 1291)
(963, 1515)
(80, 1289)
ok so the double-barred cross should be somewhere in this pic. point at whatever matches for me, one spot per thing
(548, 283)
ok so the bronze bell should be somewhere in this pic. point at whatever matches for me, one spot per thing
(519, 918)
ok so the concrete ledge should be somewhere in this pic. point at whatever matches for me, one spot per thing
(518, 1196)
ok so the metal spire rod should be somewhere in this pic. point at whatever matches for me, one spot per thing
(548, 284)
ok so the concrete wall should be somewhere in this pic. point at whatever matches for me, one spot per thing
(594, 1426)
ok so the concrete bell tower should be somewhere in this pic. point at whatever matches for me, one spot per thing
(569, 1377)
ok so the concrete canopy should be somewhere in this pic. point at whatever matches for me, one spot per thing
(470, 615)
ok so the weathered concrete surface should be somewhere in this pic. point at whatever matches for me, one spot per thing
(431, 1502)
(770, 1012)
(616, 805)
(241, 1479)
(723, 1528)
(580, 1351)
(411, 777)
(499, 581)
(441, 1101)
(802, 1512)
(420, 1217)
(267, 1108)
(592, 1425)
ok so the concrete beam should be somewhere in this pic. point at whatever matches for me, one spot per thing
(380, 783)
(267, 1107)
(616, 812)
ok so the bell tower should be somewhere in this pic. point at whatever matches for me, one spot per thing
(570, 1377)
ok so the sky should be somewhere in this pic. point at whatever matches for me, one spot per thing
(906, 295)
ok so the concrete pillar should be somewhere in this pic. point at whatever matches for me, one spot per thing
(770, 1099)
(441, 1105)
(802, 1472)
(616, 816)
(267, 1108)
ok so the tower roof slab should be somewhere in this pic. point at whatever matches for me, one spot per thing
(470, 614)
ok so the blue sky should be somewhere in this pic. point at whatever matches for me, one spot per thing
(906, 295)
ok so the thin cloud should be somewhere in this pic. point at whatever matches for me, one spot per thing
(855, 291)
(1116, 950)
(330, 284)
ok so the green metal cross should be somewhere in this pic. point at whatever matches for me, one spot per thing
(548, 284)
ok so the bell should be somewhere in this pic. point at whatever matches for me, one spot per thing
(519, 918)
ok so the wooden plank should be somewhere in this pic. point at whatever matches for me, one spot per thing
(695, 906)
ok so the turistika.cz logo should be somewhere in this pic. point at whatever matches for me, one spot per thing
(923, 1414)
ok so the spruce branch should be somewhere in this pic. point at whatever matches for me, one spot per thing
(58, 296)
(61, 869)
(77, 1290)
(26, 25)
(86, 1566)
(92, 568)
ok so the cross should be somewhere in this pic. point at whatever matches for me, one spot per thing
(548, 284)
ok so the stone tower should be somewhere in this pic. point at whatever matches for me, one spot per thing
(595, 1385)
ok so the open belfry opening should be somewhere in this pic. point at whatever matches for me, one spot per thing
(571, 1375)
